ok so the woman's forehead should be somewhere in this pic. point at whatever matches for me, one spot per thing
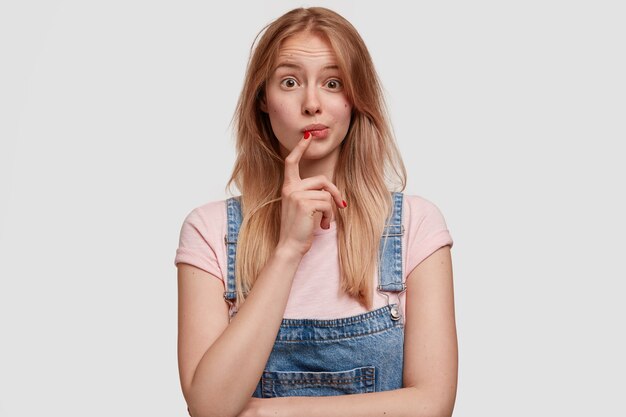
(305, 48)
(307, 42)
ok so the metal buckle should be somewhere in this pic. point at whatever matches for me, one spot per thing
(395, 312)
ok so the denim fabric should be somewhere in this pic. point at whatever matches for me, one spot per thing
(358, 354)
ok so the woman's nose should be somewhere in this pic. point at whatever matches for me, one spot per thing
(311, 103)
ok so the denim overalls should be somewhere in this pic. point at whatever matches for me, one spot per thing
(358, 354)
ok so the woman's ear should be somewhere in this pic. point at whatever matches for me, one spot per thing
(263, 104)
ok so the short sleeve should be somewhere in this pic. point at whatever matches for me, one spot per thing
(200, 237)
(427, 230)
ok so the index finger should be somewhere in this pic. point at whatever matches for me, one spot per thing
(292, 171)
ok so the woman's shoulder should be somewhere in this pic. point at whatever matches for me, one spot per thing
(419, 204)
(422, 213)
(426, 229)
(201, 237)
(212, 212)
(208, 208)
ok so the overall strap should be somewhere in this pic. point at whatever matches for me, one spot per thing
(390, 257)
(233, 215)
(390, 252)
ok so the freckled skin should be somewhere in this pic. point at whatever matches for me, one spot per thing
(295, 98)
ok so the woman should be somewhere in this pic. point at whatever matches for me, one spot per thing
(318, 281)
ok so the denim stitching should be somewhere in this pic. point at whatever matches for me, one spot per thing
(343, 337)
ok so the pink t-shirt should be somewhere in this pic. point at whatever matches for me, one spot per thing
(315, 292)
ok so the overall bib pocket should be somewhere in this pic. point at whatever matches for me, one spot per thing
(316, 384)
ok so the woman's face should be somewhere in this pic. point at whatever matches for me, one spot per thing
(307, 88)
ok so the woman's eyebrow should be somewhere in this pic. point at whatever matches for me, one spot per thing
(298, 67)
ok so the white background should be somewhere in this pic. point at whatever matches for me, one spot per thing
(114, 124)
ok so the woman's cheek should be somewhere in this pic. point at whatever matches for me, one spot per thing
(286, 118)
(278, 110)
(281, 121)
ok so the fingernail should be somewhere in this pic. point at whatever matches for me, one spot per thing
(344, 203)
(307, 135)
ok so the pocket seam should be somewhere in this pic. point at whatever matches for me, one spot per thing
(367, 378)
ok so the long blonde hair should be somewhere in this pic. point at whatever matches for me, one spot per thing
(369, 160)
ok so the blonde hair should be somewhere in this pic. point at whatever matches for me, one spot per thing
(369, 160)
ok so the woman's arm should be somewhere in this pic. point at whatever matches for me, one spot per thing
(430, 358)
(220, 363)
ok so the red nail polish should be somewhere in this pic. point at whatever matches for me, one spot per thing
(344, 203)
(307, 135)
